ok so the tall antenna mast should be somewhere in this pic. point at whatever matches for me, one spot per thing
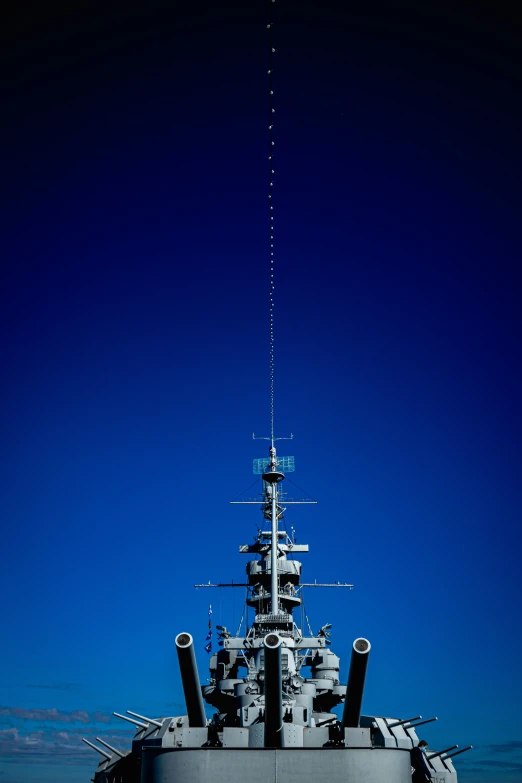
(271, 209)
(273, 476)
(271, 468)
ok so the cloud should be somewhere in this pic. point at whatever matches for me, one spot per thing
(502, 764)
(76, 716)
(100, 717)
(54, 735)
(506, 747)
(61, 686)
(37, 744)
(57, 744)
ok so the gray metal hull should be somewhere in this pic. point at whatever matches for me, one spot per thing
(287, 765)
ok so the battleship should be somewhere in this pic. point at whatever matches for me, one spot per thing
(274, 685)
(274, 689)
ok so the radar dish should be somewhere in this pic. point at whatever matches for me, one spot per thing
(286, 464)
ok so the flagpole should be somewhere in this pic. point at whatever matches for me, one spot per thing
(208, 646)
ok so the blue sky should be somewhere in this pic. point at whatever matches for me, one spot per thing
(135, 356)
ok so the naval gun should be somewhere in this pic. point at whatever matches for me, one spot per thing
(355, 687)
(190, 680)
(273, 691)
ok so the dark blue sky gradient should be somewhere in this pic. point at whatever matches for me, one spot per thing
(134, 310)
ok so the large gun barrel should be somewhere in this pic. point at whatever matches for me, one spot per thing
(273, 691)
(354, 689)
(190, 680)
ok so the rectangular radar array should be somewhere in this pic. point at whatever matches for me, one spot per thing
(285, 464)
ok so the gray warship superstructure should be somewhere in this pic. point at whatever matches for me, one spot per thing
(274, 689)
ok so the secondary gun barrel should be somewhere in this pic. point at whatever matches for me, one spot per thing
(131, 720)
(440, 752)
(148, 720)
(354, 690)
(273, 691)
(190, 680)
(399, 722)
(114, 750)
(462, 750)
(421, 723)
(98, 750)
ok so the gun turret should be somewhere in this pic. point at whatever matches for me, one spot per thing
(273, 691)
(190, 680)
(354, 689)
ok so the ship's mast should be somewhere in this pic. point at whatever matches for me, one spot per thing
(274, 590)
(273, 468)
(273, 477)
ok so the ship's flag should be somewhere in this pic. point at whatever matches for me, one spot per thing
(208, 647)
